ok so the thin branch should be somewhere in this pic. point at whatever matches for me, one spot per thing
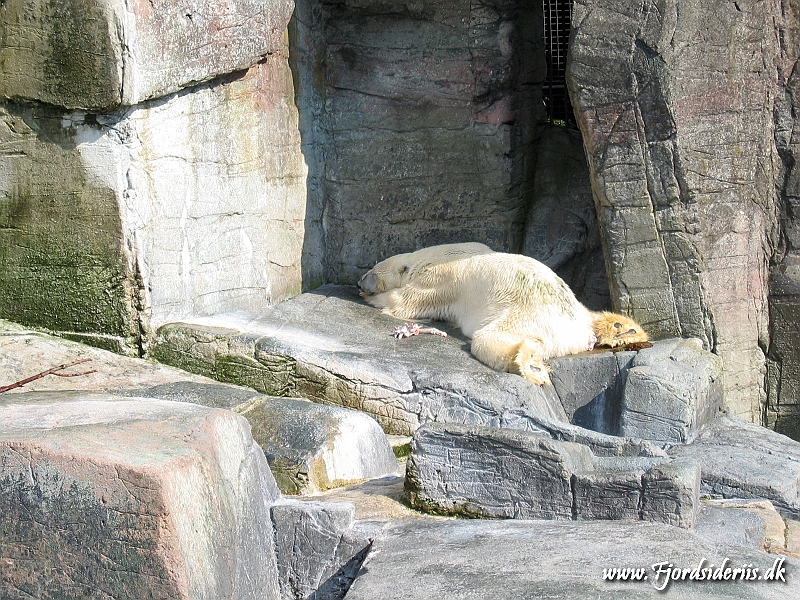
(53, 371)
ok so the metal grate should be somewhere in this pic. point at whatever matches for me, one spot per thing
(557, 17)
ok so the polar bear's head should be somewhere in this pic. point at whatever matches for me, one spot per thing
(614, 330)
(388, 274)
(398, 270)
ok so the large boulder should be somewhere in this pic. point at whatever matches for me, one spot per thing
(664, 393)
(101, 54)
(134, 498)
(329, 346)
(311, 447)
(671, 391)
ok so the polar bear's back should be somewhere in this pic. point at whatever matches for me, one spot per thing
(526, 296)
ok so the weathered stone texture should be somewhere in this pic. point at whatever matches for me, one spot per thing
(186, 206)
(419, 120)
(492, 472)
(665, 393)
(498, 560)
(331, 347)
(590, 387)
(102, 54)
(134, 498)
(319, 547)
(561, 228)
(671, 493)
(63, 263)
(675, 103)
(783, 383)
(671, 391)
(312, 447)
(613, 495)
(743, 460)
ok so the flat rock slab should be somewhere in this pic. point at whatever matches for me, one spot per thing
(312, 447)
(330, 346)
(377, 500)
(721, 525)
(132, 498)
(498, 560)
(24, 353)
(743, 460)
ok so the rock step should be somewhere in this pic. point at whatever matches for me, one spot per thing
(743, 460)
(310, 447)
(482, 471)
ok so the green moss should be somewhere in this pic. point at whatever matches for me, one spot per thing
(61, 262)
(117, 345)
(402, 451)
(81, 70)
(313, 284)
(250, 373)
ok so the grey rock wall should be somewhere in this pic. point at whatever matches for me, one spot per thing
(783, 383)
(561, 228)
(103, 54)
(675, 102)
(418, 121)
(132, 193)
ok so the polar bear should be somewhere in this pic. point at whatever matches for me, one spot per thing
(517, 311)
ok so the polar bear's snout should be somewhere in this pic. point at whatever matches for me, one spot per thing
(368, 284)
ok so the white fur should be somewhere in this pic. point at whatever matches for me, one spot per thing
(517, 311)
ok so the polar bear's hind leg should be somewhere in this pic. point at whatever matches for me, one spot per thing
(511, 353)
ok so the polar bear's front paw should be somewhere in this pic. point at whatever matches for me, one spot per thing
(530, 365)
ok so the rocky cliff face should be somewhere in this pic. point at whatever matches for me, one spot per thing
(783, 364)
(423, 123)
(416, 116)
(677, 104)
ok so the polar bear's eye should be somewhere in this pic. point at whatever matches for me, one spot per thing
(617, 325)
(534, 368)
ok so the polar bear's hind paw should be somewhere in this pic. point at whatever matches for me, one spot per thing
(529, 364)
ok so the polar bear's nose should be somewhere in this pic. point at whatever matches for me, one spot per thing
(367, 284)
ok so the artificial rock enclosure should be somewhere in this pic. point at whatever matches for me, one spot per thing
(177, 180)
